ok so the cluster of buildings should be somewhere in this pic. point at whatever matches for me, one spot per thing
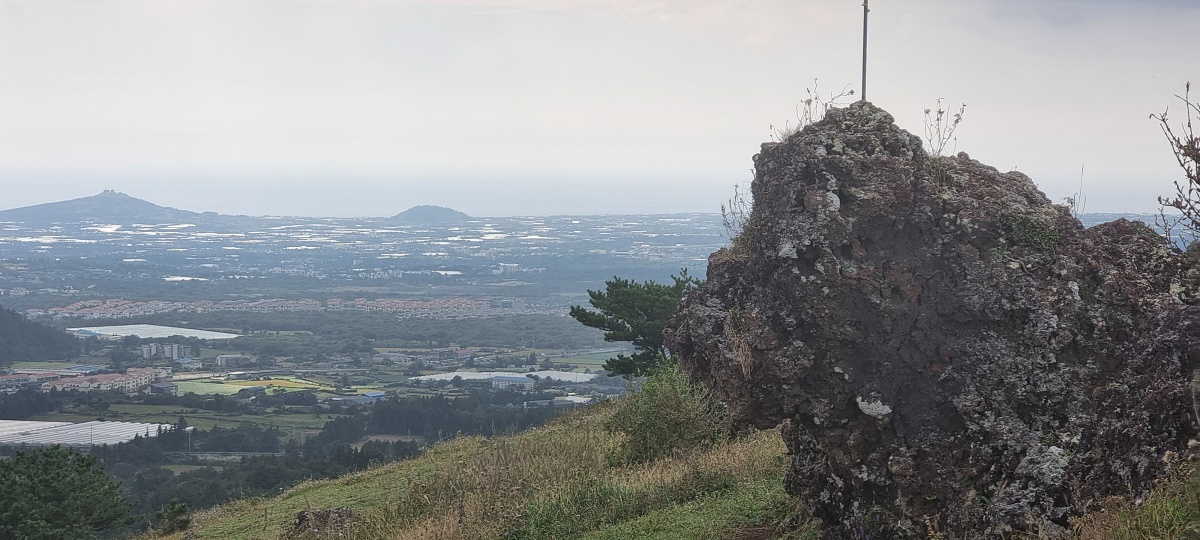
(87, 379)
(444, 308)
(167, 351)
(119, 308)
(133, 380)
(22, 378)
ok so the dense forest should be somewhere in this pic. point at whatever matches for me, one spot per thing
(22, 340)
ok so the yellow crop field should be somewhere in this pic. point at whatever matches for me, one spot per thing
(280, 383)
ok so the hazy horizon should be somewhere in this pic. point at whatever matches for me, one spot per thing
(473, 216)
(536, 107)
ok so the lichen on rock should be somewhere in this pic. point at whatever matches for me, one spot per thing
(938, 341)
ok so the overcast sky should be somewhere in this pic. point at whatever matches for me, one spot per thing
(533, 107)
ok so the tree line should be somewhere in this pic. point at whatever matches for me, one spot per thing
(22, 340)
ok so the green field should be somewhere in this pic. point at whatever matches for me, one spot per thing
(46, 365)
(588, 360)
(180, 469)
(206, 387)
(211, 386)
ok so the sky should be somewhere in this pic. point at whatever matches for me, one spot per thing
(355, 108)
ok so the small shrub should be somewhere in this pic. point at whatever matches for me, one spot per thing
(672, 414)
(739, 228)
(174, 517)
(791, 518)
(737, 335)
(1026, 231)
(1185, 226)
(735, 214)
(1077, 203)
(809, 111)
(939, 128)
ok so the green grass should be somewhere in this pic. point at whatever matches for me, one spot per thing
(205, 352)
(287, 384)
(744, 512)
(561, 482)
(137, 409)
(256, 518)
(1172, 512)
(204, 387)
(525, 484)
(274, 332)
(180, 469)
(584, 360)
(44, 365)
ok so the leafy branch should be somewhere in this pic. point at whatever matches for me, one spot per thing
(1184, 226)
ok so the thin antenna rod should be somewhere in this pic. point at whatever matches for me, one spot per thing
(866, 10)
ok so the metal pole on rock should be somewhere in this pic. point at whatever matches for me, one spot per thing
(866, 10)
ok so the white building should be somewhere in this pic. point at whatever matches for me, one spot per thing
(232, 360)
(132, 381)
(512, 381)
(169, 351)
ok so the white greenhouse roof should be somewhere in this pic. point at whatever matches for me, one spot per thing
(149, 331)
(17, 433)
(14, 427)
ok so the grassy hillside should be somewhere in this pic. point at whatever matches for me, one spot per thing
(552, 482)
(570, 479)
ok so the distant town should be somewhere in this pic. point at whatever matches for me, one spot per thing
(472, 267)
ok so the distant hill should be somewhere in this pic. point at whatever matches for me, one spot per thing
(429, 214)
(23, 340)
(107, 207)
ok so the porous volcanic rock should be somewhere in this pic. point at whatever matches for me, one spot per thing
(943, 348)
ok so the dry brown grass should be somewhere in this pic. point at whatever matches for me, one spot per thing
(480, 496)
(1171, 512)
(489, 495)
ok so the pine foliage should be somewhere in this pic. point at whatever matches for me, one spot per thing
(57, 493)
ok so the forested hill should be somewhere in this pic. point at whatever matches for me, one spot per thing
(22, 340)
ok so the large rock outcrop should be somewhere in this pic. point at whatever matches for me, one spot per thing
(944, 348)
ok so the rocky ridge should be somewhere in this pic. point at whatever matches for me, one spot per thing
(943, 348)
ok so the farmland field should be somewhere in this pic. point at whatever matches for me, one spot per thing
(179, 468)
(205, 387)
(48, 365)
(594, 359)
(289, 383)
(209, 386)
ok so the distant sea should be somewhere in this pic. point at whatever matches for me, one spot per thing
(1098, 218)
